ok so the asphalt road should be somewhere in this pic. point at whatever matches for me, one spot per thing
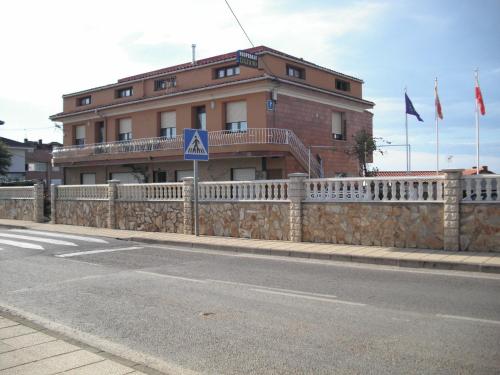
(229, 313)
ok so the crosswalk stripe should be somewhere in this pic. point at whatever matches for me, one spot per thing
(25, 245)
(60, 235)
(68, 255)
(38, 239)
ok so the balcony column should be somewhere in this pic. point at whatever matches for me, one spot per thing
(112, 194)
(296, 193)
(188, 194)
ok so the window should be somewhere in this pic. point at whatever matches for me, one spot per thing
(159, 176)
(338, 126)
(127, 177)
(123, 93)
(168, 124)
(87, 178)
(80, 135)
(243, 174)
(165, 83)
(200, 118)
(125, 129)
(227, 72)
(293, 71)
(180, 175)
(83, 101)
(342, 85)
(236, 117)
(37, 167)
(99, 131)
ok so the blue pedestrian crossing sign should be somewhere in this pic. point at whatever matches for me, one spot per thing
(195, 144)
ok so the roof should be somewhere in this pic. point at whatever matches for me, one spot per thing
(472, 171)
(405, 174)
(210, 60)
(14, 144)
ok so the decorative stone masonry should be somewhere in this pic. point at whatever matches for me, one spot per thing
(188, 191)
(296, 193)
(112, 193)
(38, 203)
(452, 196)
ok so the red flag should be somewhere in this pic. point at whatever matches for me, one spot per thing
(479, 99)
(439, 111)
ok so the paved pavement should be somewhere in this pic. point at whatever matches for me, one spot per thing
(26, 348)
(184, 310)
(403, 257)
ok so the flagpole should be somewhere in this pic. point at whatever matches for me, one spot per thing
(477, 124)
(407, 149)
(437, 128)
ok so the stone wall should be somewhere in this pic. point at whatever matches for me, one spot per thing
(480, 227)
(150, 216)
(262, 220)
(417, 225)
(16, 209)
(87, 213)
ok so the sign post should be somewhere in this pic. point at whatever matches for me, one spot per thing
(196, 148)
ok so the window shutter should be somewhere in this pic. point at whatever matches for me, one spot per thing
(236, 112)
(336, 123)
(80, 132)
(168, 119)
(125, 125)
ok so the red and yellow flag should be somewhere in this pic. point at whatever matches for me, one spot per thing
(439, 110)
(479, 99)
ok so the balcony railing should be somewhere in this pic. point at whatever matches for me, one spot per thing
(216, 139)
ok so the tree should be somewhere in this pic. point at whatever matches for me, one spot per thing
(5, 159)
(364, 146)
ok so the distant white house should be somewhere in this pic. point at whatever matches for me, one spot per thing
(17, 169)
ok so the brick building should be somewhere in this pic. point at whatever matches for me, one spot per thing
(264, 111)
(39, 163)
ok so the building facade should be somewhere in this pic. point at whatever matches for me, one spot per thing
(39, 163)
(267, 113)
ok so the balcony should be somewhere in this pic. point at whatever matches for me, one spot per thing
(219, 141)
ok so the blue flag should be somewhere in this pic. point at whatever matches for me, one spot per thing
(410, 109)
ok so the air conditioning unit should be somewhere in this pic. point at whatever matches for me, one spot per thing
(338, 137)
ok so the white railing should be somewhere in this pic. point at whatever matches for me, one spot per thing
(481, 188)
(407, 189)
(215, 139)
(260, 190)
(150, 192)
(82, 192)
(17, 192)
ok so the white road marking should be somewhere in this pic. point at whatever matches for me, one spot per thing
(60, 235)
(24, 245)
(68, 255)
(271, 288)
(171, 276)
(468, 318)
(309, 297)
(37, 239)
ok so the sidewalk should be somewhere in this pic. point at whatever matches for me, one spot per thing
(402, 257)
(26, 348)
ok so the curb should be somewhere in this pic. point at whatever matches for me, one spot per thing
(441, 265)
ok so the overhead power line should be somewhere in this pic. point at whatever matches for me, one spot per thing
(239, 23)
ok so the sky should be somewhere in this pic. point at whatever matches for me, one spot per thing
(49, 48)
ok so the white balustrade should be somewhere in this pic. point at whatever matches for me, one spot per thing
(82, 192)
(17, 192)
(391, 189)
(258, 190)
(481, 188)
(150, 192)
(215, 139)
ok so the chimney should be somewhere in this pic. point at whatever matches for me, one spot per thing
(193, 47)
(40, 142)
(25, 140)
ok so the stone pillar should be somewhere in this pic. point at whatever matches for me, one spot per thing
(112, 193)
(38, 203)
(53, 204)
(187, 193)
(451, 210)
(296, 193)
